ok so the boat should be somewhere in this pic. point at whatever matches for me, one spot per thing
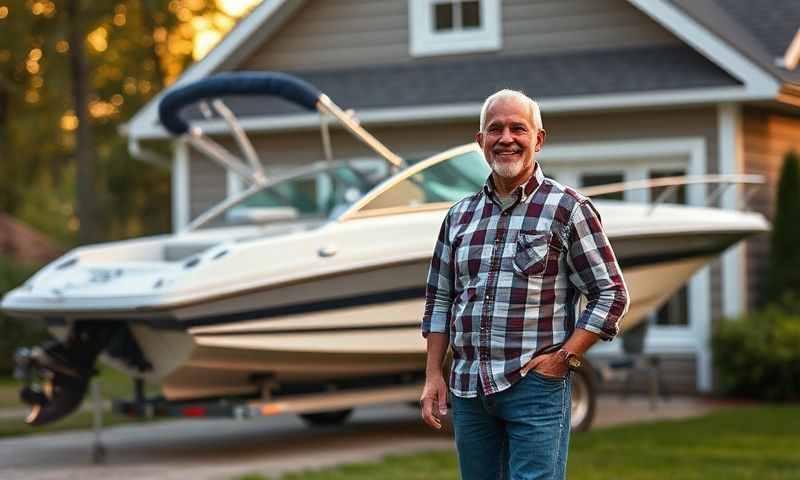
(314, 276)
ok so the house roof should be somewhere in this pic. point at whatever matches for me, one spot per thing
(23, 244)
(729, 54)
(774, 24)
(467, 80)
(761, 30)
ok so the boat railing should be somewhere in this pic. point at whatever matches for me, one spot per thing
(670, 184)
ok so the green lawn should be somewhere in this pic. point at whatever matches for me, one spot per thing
(77, 421)
(731, 444)
(113, 383)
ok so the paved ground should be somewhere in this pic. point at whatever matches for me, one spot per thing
(224, 449)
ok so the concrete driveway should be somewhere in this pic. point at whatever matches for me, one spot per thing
(224, 449)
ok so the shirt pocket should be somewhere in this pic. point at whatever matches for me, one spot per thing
(532, 249)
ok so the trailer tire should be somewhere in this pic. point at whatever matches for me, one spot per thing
(326, 419)
(584, 398)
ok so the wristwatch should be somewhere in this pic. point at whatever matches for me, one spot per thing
(571, 359)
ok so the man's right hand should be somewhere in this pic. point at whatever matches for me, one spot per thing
(434, 400)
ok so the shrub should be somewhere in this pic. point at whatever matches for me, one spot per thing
(758, 356)
(783, 274)
(15, 332)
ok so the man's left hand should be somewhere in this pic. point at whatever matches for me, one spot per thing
(547, 364)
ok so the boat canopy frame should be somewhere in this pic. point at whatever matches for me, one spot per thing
(247, 83)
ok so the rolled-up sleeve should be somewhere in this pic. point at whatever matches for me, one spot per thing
(595, 272)
(439, 287)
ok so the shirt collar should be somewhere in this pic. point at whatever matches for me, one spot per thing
(523, 191)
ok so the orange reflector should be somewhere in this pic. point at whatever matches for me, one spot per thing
(271, 409)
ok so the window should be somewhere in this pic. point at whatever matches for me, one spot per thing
(676, 311)
(604, 178)
(668, 194)
(458, 15)
(440, 27)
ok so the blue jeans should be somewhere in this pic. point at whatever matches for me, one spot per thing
(520, 433)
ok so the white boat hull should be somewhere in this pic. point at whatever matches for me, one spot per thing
(358, 313)
(352, 341)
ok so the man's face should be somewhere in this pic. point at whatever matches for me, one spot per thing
(509, 139)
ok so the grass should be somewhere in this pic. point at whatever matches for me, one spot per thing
(113, 385)
(731, 444)
(77, 421)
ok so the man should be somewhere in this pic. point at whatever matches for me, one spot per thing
(508, 269)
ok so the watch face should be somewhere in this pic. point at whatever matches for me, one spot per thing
(572, 360)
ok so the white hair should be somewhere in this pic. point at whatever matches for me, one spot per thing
(506, 94)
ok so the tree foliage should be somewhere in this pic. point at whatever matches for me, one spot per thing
(783, 278)
(16, 332)
(133, 49)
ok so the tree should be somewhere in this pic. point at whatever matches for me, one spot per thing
(784, 258)
(71, 72)
(79, 74)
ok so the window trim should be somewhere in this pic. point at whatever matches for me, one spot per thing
(642, 154)
(424, 41)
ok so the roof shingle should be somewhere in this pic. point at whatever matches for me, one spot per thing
(471, 80)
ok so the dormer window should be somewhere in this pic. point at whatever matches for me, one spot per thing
(450, 16)
(440, 27)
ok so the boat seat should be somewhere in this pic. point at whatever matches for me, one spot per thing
(174, 252)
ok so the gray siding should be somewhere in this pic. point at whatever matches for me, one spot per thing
(544, 26)
(207, 184)
(327, 33)
(767, 138)
(350, 33)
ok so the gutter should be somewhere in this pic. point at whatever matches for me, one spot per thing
(470, 110)
(140, 153)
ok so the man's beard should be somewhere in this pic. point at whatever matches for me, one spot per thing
(507, 169)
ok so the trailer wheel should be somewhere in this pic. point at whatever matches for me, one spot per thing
(323, 419)
(584, 398)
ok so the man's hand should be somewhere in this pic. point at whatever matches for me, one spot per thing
(434, 396)
(547, 364)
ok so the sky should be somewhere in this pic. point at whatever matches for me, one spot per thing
(209, 33)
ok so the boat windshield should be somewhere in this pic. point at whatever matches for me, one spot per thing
(318, 194)
(443, 179)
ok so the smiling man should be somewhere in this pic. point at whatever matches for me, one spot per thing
(508, 269)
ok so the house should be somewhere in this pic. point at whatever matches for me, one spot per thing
(24, 245)
(629, 89)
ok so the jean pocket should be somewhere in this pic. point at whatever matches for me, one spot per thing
(531, 254)
(547, 378)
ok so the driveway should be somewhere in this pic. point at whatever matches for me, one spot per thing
(224, 449)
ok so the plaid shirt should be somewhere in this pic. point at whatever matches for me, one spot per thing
(505, 284)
